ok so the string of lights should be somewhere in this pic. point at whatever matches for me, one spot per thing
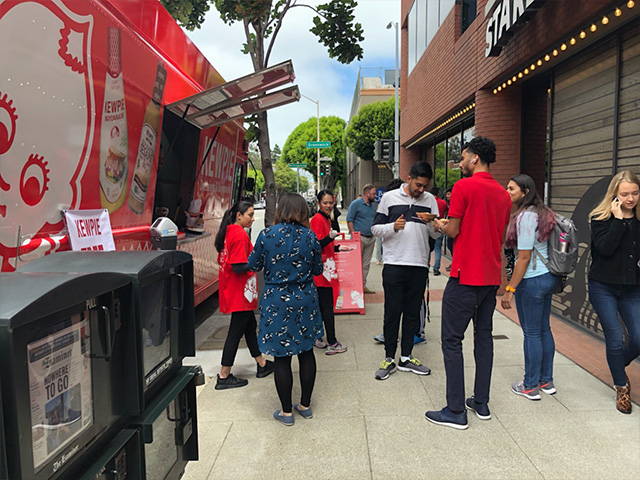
(445, 122)
(563, 47)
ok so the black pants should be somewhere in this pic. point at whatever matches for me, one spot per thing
(242, 324)
(325, 298)
(283, 377)
(404, 288)
(460, 305)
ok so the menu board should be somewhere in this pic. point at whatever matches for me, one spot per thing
(348, 289)
(60, 388)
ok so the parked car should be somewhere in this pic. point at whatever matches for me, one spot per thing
(259, 205)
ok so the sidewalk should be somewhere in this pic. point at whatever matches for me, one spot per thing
(368, 429)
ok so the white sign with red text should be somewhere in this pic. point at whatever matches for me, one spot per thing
(90, 230)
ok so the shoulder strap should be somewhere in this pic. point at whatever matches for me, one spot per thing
(537, 254)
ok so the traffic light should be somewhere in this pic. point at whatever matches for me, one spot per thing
(325, 169)
(387, 151)
(383, 151)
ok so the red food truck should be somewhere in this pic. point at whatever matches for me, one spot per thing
(93, 115)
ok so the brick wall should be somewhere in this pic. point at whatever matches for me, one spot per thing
(499, 118)
(454, 70)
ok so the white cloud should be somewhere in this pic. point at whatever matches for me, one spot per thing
(317, 75)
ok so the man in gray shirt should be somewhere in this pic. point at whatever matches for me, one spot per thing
(360, 217)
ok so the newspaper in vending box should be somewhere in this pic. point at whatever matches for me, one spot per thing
(60, 387)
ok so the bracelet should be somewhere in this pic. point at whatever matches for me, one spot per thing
(510, 289)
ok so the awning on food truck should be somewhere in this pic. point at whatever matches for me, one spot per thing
(239, 98)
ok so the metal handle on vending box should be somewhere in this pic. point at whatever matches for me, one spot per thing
(176, 420)
(108, 349)
(180, 306)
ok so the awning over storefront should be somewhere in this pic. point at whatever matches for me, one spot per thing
(239, 98)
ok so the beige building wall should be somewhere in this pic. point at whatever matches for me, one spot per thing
(361, 172)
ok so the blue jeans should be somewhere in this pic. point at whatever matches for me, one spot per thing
(533, 302)
(612, 303)
(438, 253)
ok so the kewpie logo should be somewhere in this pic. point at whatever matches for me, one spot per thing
(46, 117)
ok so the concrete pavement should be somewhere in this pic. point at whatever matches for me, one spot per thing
(368, 429)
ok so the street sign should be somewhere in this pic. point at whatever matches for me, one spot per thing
(297, 165)
(318, 144)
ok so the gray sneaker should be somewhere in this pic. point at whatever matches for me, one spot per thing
(379, 339)
(413, 365)
(530, 393)
(387, 367)
(335, 348)
(319, 343)
(549, 388)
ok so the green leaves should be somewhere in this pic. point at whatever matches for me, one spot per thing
(188, 13)
(287, 178)
(331, 129)
(373, 122)
(337, 30)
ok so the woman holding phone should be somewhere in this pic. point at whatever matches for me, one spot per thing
(238, 293)
(290, 320)
(532, 285)
(321, 226)
(614, 277)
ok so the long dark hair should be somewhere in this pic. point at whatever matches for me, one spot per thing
(229, 218)
(530, 201)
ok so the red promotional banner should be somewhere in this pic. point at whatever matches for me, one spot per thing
(348, 289)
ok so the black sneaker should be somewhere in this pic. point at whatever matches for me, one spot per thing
(436, 273)
(481, 409)
(266, 370)
(230, 382)
(447, 418)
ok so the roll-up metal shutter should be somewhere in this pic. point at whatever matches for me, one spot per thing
(581, 154)
(583, 125)
(584, 152)
(629, 127)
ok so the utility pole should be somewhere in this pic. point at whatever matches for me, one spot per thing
(317, 102)
(396, 126)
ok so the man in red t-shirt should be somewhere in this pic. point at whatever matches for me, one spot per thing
(478, 215)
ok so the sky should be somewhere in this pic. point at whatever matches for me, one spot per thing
(318, 76)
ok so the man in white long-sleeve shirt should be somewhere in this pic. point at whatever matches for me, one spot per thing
(403, 222)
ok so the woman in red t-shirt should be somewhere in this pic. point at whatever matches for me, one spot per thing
(238, 293)
(321, 225)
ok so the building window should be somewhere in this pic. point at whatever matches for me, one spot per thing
(469, 12)
(425, 18)
(412, 37)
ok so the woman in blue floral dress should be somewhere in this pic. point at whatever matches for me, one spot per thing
(290, 320)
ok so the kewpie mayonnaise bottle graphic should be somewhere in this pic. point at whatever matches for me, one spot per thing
(147, 145)
(114, 144)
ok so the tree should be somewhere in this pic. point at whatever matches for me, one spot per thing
(287, 178)
(333, 23)
(373, 122)
(332, 129)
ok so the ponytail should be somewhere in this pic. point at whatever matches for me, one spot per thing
(229, 218)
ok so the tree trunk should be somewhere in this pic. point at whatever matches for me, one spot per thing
(267, 169)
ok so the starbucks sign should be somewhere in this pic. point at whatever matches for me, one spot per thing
(504, 18)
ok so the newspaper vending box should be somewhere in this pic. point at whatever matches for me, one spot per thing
(65, 349)
(163, 305)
